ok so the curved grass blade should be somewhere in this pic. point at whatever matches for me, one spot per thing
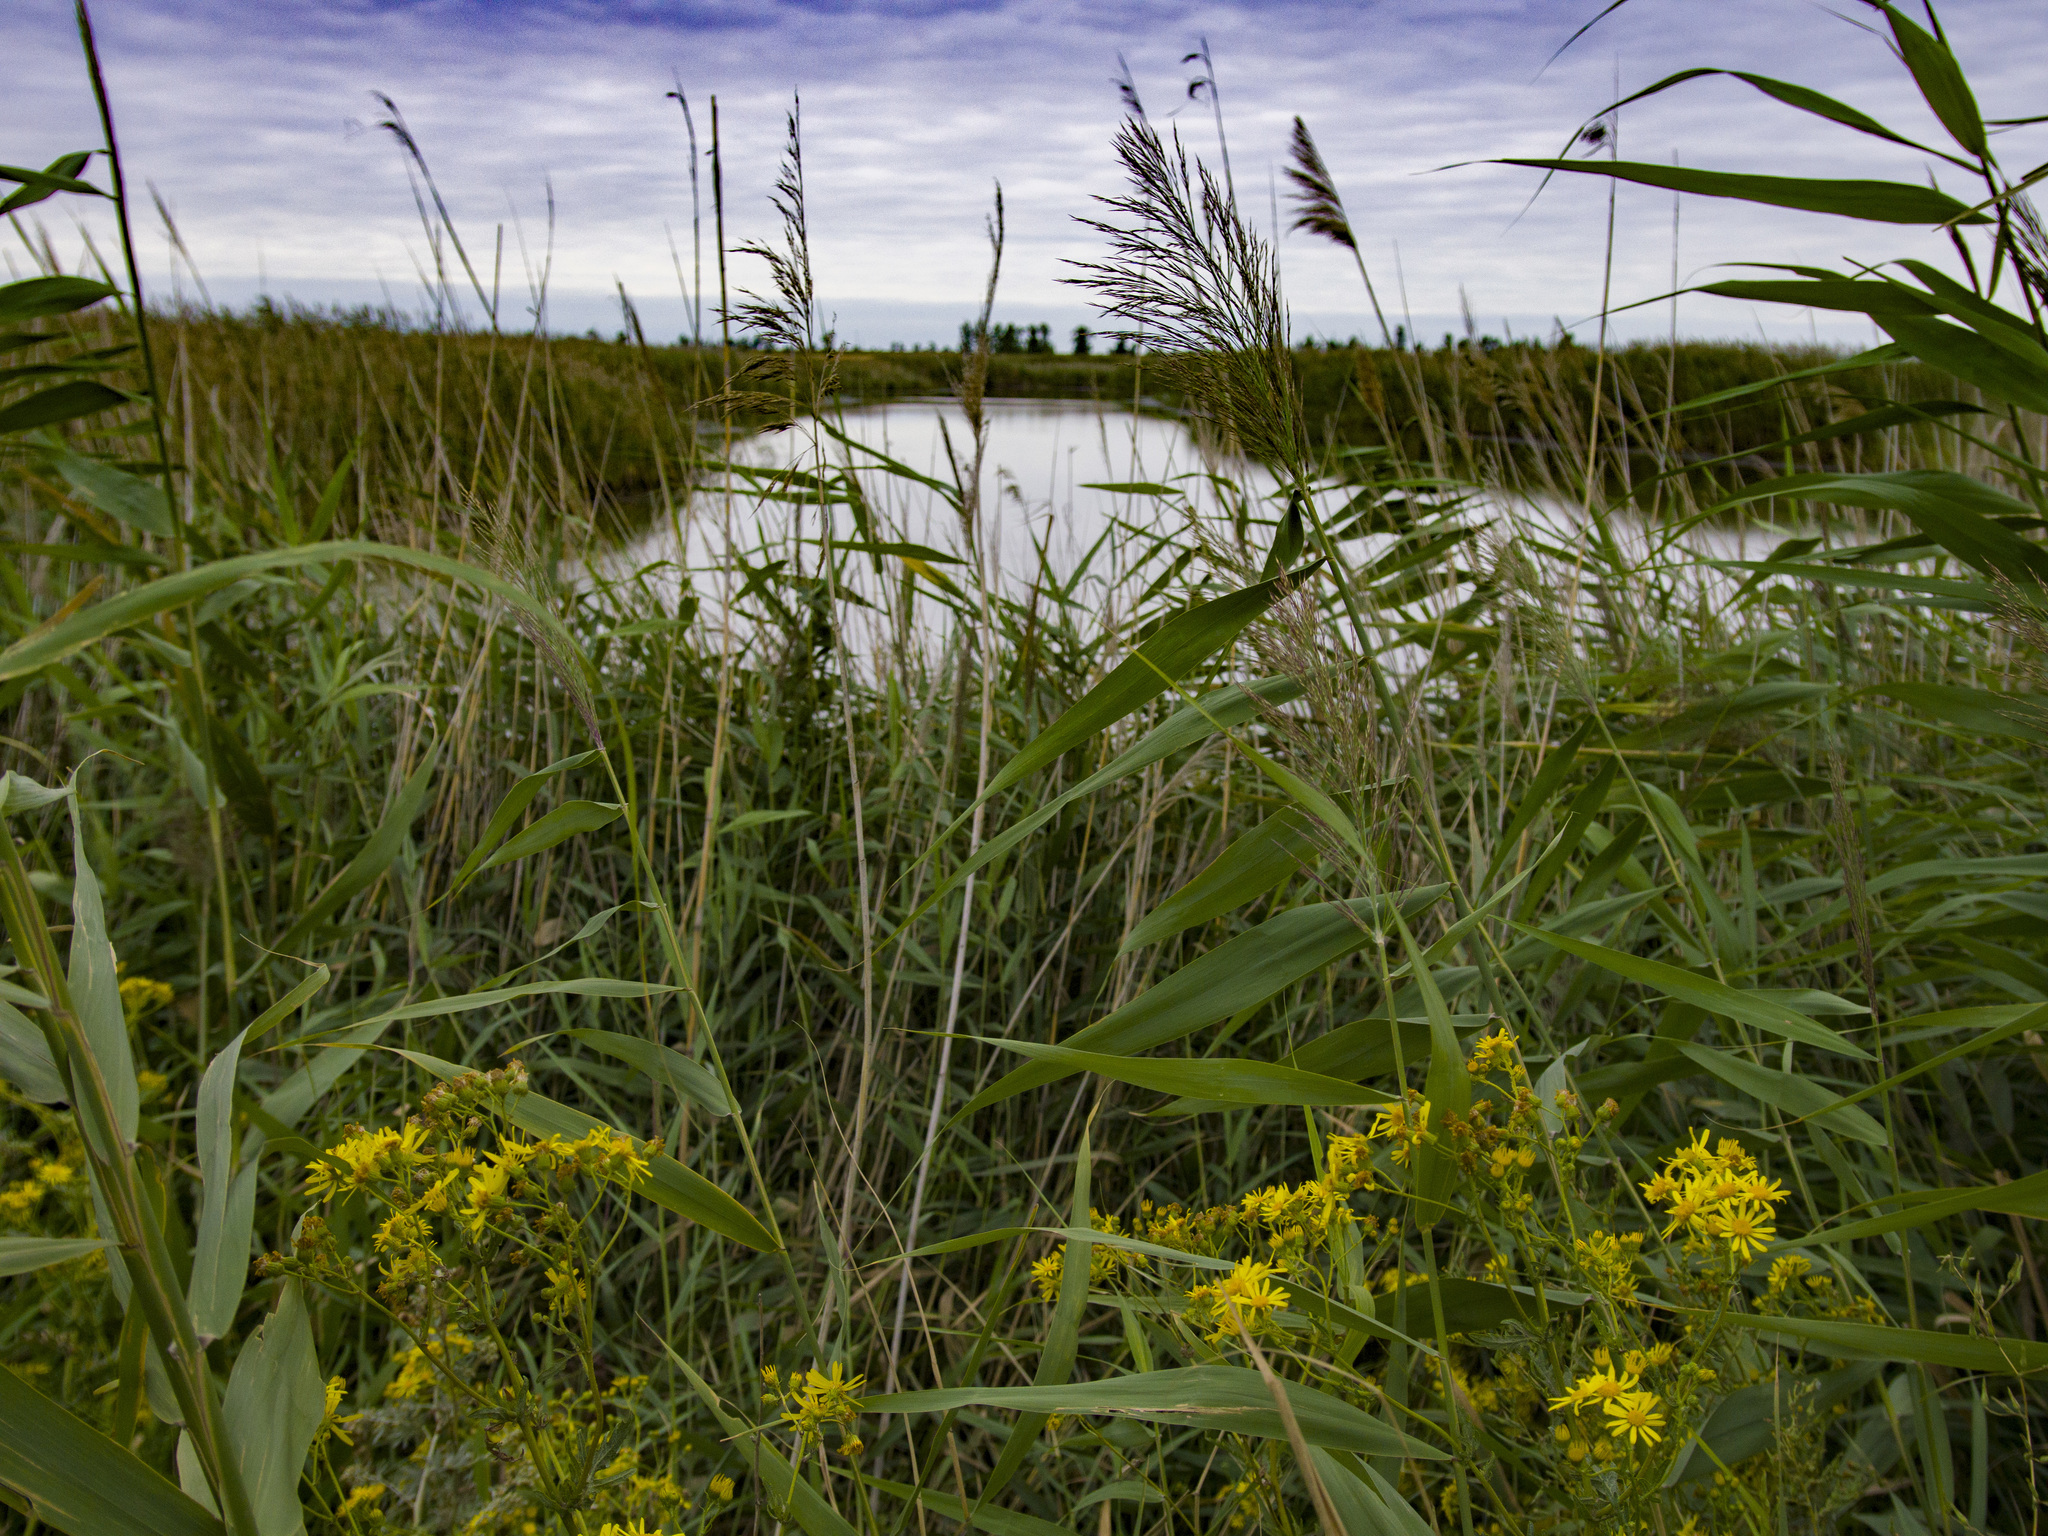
(1213, 1397)
(1254, 863)
(1217, 1081)
(1797, 1096)
(1876, 1341)
(1235, 975)
(20, 1255)
(1879, 202)
(1757, 1011)
(661, 1064)
(79, 1481)
(509, 810)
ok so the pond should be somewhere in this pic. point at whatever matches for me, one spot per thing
(1057, 480)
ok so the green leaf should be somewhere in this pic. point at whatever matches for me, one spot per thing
(668, 1183)
(2026, 1197)
(227, 1202)
(1876, 1341)
(1220, 1398)
(1797, 1096)
(1745, 1422)
(1235, 975)
(372, 859)
(997, 1522)
(1549, 778)
(560, 824)
(661, 1064)
(35, 651)
(272, 1409)
(115, 492)
(511, 808)
(19, 1255)
(63, 402)
(747, 820)
(39, 298)
(1940, 79)
(2015, 866)
(1958, 513)
(1717, 714)
(1221, 1081)
(788, 1494)
(1478, 1306)
(95, 985)
(2021, 379)
(1255, 862)
(1879, 202)
(1979, 710)
(1172, 651)
(79, 1481)
(1448, 1088)
(1756, 1010)
(25, 1059)
(1362, 1499)
(1062, 1334)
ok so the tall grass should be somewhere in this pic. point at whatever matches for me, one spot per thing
(1725, 846)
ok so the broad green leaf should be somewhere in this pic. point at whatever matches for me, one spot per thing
(1126, 1490)
(1880, 202)
(1958, 513)
(38, 650)
(1797, 1096)
(1978, 710)
(1214, 1397)
(662, 1064)
(1255, 862)
(511, 808)
(60, 403)
(80, 1482)
(18, 792)
(1246, 970)
(1800, 97)
(19, 1255)
(789, 1496)
(1745, 1422)
(946, 1503)
(95, 985)
(1187, 726)
(227, 1201)
(1541, 788)
(2013, 866)
(1447, 1087)
(25, 1059)
(372, 859)
(1062, 1334)
(1876, 1341)
(272, 1408)
(1172, 651)
(747, 820)
(1757, 1011)
(1362, 1499)
(668, 1183)
(41, 298)
(115, 492)
(1216, 1080)
(2022, 379)
(1940, 79)
(1710, 715)
(1477, 1306)
(563, 822)
(2026, 1197)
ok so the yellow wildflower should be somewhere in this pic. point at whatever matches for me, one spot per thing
(721, 1486)
(1633, 1417)
(1746, 1228)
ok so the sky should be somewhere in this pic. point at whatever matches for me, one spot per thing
(256, 125)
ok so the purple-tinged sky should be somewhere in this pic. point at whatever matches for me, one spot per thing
(250, 119)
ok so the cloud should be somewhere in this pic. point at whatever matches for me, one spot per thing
(256, 122)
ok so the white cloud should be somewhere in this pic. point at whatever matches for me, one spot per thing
(242, 115)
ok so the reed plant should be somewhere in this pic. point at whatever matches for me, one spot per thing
(1430, 999)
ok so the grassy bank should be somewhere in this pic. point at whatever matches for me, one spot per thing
(440, 412)
(1367, 1011)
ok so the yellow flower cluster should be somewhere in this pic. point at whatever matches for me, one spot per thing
(1608, 1262)
(417, 1374)
(1717, 1198)
(140, 997)
(816, 1399)
(1247, 1294)
(20, 1200)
